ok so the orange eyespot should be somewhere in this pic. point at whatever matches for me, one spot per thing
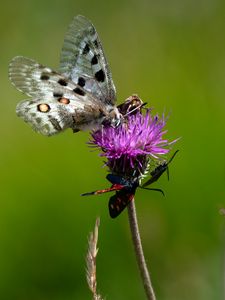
(64, 100)
(43, 107)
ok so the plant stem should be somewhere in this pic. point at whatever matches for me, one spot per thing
(139, 251)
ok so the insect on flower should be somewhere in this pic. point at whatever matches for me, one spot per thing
(131, 149)
(80, 95)
(125, 189)
(158, 171)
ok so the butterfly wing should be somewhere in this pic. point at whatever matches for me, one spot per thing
(83, 60)
(47, 118)
(36, 80)
(58, 103)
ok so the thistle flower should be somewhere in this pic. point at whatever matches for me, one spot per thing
(131, 150)
(131, 147)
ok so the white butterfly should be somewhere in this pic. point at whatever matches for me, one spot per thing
(81, 95)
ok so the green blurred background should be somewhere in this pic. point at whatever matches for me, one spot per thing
(172, 53)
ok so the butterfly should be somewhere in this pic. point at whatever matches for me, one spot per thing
(81, 95)
(125, 188)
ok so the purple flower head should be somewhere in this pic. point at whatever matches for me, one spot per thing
(131, 146)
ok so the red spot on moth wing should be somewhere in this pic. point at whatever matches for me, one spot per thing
(118, 202)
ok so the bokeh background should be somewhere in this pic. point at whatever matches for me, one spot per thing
(172, 53)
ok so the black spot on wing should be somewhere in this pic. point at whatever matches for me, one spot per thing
(86, 49)
(62, 82)
(96, 43)
(57, 95)
(44, 76)
(94, 60)
(100, 76)
(78, 91)
(81, 81)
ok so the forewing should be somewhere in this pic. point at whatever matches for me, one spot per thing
(119, 201)
(83, 60)
(39, 81)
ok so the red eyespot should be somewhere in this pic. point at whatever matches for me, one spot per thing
(64, 100)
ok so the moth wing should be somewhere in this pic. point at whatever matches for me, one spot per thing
(115, 179)
(83, 60)
(119, 201)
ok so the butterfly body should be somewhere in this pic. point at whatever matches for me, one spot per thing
(80, 96)
(131, 105)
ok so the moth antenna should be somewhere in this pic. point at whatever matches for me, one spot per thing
(89, 194)
(172, 157)
(152, 189)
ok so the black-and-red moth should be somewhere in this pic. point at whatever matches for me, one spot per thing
(125, 189)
